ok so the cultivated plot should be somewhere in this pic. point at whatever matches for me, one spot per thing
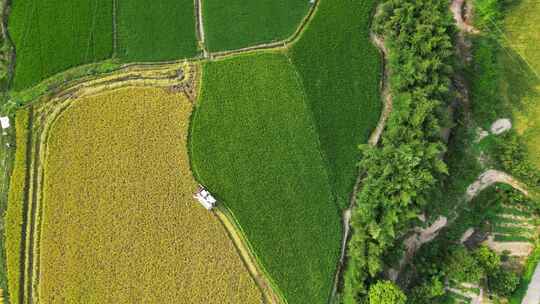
(254, 144)
(119, 223)
(340, 71)
(52, 36)
(236, 24)
(156, 30)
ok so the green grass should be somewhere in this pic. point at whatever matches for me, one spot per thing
(14, 215)
(522, 30)
(236, 24)
(52, 36)
(156, 30)
(254, 144)
(340, 70)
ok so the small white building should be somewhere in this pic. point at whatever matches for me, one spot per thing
(205, 198)
(4, 122)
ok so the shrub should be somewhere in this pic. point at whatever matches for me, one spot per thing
(386, 292)
(461, 266)
(488, 259)
(503, 282)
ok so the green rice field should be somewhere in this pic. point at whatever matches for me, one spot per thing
(254, 144)
(340, 71)
(236, 24)
(156, 30)
(54, 35)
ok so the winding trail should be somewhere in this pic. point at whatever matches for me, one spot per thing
(491, 177)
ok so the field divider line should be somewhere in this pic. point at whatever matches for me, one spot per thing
(269, 289)
(199, 27)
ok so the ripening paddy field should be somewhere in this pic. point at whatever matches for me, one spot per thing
(119, 222)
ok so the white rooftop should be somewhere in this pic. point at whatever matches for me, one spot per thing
(4, 122)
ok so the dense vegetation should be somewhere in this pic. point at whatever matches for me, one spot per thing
(254, 144)
(445, 262)
(52, 36)
(119, 221)
(236, 24)
(14, 214)
(156, 30)
(340, 71)
(399, 174)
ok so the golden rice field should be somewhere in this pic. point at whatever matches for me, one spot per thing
(119, 222)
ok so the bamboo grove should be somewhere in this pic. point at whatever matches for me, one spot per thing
(400, 173)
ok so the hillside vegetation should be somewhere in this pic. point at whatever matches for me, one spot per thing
(400, 174)
(119, 221)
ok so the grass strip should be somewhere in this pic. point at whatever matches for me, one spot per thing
(15, 210)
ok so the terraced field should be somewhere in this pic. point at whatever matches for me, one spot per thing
(119, 223)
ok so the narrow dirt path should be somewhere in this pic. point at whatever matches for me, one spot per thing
(459, 9)
(491, 177)
(385, 91)
(200, 27)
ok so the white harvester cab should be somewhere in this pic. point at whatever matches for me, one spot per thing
(4, 123)
(205, 198)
